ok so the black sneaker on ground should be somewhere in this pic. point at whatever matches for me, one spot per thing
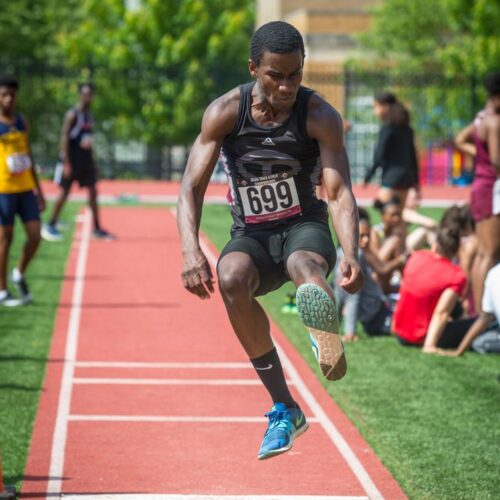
(102, 234)
(22, 288)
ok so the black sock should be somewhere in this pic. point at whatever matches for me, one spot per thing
(269, 369)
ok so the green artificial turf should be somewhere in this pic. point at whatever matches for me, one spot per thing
(433, 421)
(25, 334)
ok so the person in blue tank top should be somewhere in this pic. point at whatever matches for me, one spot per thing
(277, 141)
(78, 164)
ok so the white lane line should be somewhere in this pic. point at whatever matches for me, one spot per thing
(166, 381)
(329, 427)
(172, 418)
(154, 496)
(166, 365)
(63, 408)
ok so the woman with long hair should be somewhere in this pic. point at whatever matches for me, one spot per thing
(395, 152)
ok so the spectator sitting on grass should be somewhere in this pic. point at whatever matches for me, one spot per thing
(390, 238)
(466, 257)
(387, 238)
(369, 305)
(484, 333)
(430, 294)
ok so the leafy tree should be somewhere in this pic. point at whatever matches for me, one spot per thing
(29, 30)
(157, 67)
(453, 36)
(436, 54)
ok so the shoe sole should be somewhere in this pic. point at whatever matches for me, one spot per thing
(12, 303)
(318, 313)
(280, 451)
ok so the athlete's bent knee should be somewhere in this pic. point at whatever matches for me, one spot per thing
(304, 266)
(233, 282)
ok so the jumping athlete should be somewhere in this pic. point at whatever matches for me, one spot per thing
(78, 163)
(277, 141)
(20, 193)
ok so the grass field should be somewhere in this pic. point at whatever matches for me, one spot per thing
(25, 335)
(433, 421)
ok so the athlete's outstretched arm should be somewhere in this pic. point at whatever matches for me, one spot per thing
(217, 123)
(325, 125)
(464, 142)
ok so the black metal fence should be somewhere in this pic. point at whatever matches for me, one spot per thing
(439, 107)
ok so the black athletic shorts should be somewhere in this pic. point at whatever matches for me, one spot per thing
(270, 249)
(83, 171)
(452, 335)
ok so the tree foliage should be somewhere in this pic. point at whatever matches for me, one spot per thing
(155, 68)
(435, 54)
(158, 67)
(29, 30)
(450, 36)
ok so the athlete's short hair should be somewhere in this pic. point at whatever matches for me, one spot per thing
(276, 37)
(382, 206)
(386, 98)
(9, 81)
(82, 85)
(492, 83)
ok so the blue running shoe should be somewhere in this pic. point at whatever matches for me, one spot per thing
(285, 424)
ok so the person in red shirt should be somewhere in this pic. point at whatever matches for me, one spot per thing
(430, 293)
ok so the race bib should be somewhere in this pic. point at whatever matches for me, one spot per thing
(86, 141)
(18, 163)
(269, 198)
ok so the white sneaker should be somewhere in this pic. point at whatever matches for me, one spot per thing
(9, 301)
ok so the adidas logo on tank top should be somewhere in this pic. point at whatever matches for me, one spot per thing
(268, 142)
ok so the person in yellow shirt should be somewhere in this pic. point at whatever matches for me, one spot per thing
(20, 193)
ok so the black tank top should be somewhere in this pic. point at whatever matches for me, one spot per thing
(80, 135)
(272, 171)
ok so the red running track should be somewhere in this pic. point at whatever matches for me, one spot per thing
(148, 394)
(166, 192)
